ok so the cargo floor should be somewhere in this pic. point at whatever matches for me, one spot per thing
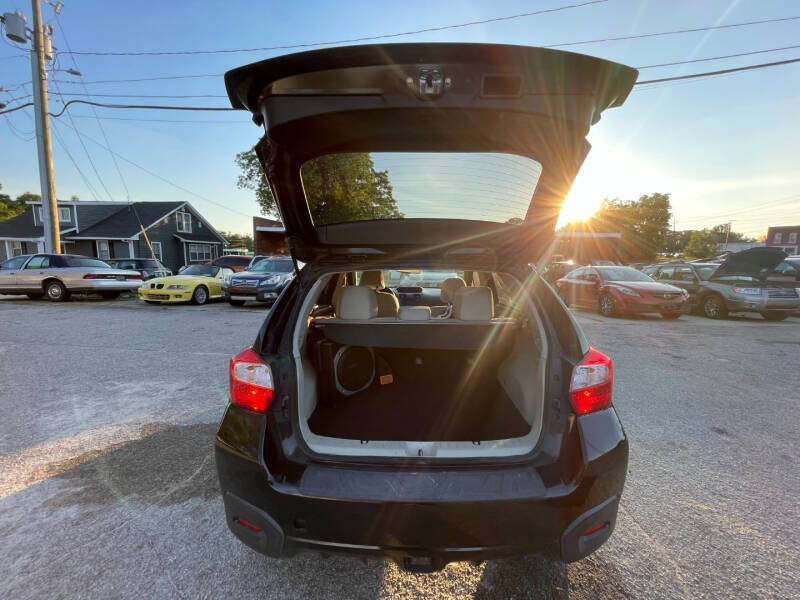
(422, 411)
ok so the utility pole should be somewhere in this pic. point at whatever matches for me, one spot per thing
(52, 235)
(727, 234)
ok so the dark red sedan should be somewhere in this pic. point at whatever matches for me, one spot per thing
(621, 290)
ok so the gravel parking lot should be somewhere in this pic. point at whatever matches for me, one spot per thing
(108, 488)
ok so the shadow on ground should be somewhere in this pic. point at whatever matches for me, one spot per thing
(168, 464)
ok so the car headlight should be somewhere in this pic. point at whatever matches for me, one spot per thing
(747, 291)
(270, 280)
(628, 291)
(684, 292)
(177, 287)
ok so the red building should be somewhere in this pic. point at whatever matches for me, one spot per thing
(269, 237)
(786, 237)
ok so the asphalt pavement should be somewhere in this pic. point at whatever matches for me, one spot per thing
(108, 488)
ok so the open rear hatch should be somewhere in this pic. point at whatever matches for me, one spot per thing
(353, 136)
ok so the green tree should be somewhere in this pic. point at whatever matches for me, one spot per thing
(702, 244)
(11, 208)
(338, 187)
(643, 223)
(238, 240)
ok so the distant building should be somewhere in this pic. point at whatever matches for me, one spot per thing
(786, 237)
(178, 233)
(737, 246)
(269, 237)
(584, 247)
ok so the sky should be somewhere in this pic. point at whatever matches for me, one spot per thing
(725, 148)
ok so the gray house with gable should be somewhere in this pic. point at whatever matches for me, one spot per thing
(178, 233)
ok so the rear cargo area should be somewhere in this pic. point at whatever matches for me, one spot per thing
(431, 395)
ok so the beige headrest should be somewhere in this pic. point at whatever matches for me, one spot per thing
(372, 279)
(414, 313)
(473, 304)
(449, 287)
(357, 303)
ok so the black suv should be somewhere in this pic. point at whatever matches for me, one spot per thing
(363, 422)
(262, 282)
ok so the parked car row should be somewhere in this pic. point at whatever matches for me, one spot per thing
(58, 276)
(759, 280)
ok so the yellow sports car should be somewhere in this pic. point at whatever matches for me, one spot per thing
(196, 284)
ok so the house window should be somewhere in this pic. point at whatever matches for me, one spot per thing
(793, 238)
(778, 238)
(63, 214)
(199, 252)
(156, 249)
(103, 251)
(16, 248)
(184, 222)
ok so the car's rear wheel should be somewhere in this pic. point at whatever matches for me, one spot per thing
(670, 316)
(608, 307)
(714, 307)
(55, 291)
(109, 295)
(200, 295)
(236, 302)
(774, 316)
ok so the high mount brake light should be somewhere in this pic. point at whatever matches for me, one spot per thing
(592, 378)
(251, 381)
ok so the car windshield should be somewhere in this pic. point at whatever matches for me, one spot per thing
(482, 186)
(705, 271)
(80, 261)
(273, 266)
(201, 270)
(417, 278)
(622, 274)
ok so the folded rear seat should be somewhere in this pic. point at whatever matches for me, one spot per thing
(471, 326)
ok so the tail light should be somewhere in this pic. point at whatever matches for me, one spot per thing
(592, 378)
(134, 277)
(251, 381)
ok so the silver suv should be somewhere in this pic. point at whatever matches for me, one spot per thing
(744, 282)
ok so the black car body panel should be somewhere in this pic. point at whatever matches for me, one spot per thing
(559, 499)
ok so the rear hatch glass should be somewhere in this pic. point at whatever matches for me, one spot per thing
(362, 186)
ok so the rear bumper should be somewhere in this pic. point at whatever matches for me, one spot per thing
(424, 519)
(95, 286)
(761, 304)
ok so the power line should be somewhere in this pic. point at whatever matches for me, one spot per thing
(350, 40)
(697, 60)
(672, 32)
(721, 72)
(209, 121)
(164, 179)
(96, 116)
(140, 79)
(147, 95)
(85, 179)
(86, 151)
(446, 27)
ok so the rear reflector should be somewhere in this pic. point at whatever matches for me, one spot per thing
(251, 381)
(592, 379)
(595, 529)
(248, 524)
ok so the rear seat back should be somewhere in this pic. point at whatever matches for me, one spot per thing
(357, 303)
(473, 304)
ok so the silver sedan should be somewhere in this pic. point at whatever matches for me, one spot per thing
(57, 276)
